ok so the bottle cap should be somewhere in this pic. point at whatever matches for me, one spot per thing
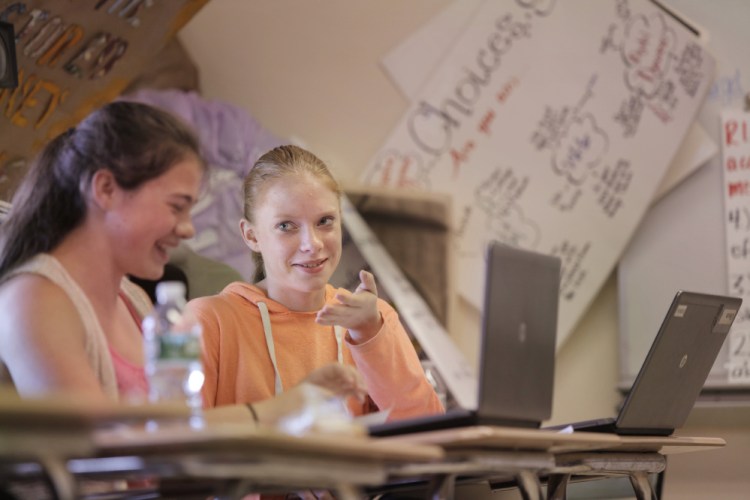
(170, 290)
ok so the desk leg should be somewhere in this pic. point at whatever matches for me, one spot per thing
(347, 492)
(557, 486)
(442, 487)
(529, 485)
(642, 486)
(62, 481)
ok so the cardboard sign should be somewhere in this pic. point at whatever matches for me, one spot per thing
(72, 58)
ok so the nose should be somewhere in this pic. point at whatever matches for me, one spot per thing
(311, 240)
(185, 228)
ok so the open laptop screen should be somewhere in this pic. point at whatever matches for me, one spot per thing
(678, 363)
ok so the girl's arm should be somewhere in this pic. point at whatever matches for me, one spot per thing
(42, 340)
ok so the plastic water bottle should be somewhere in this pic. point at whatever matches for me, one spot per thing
(173, 349)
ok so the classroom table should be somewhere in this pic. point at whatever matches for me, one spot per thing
(42, 434)
(573, 454)
(78, 441)
(74, 442)
(241, 458)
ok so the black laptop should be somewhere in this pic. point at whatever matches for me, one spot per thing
(517, 349)
(676, 367)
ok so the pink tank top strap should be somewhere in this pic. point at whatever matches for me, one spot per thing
(132, 384)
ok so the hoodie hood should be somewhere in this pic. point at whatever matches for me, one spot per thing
(253, 294)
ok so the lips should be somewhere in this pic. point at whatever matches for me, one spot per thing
(164, 249)
(312, 265)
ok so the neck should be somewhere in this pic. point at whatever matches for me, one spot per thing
(76, 253)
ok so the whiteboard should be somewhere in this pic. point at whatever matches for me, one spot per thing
(681, 243)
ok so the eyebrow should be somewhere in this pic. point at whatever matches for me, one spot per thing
(186, 197)
(284, 215)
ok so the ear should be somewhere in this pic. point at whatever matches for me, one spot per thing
(247, 230)
(103, 188)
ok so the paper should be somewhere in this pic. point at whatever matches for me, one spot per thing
(696, 151)
(410, 64)
(415, 58)
(736, 171)
(562, 157)
(374, 418)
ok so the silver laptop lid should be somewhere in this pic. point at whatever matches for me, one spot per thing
(678, 362)
(519, 328)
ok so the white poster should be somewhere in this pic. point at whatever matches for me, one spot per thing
(736, 170)
(409, 64)
(552, 126)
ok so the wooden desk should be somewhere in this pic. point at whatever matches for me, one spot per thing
(633, 456)
(50, 431)
(571, 454)
(521, 454)
(75, 440)
(261, 459)
(79, 440)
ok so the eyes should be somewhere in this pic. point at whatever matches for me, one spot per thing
(326, 221)
(179, 207)
(180, 204)
(287, 226)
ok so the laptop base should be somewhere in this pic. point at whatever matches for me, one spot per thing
(609, 426)
(597, 425)
(449, 420)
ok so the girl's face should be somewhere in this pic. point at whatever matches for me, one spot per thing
(148, 222)
(297, 229)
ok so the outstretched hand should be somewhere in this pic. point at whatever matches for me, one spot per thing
(357, 312)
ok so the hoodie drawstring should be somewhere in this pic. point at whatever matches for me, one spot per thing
(266, 318)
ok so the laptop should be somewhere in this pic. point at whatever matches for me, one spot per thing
(675, 369)
(517, 348)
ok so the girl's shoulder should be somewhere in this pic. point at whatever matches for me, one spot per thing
(35, 286)
(235, 297)
(136, 296)
(34, 307)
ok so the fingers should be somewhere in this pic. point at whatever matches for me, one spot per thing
(353, 386)
(344, 296)
(360, 296)
(330, 314)
(359, 392)
(339, 379)
(367, 282)
(349, 381)
(357, 312)
(344, 306)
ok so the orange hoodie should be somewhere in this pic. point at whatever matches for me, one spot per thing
(239, 369)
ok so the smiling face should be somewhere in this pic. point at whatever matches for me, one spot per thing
(149, 221)
(297, 229)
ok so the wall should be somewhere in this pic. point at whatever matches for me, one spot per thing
(310, 70)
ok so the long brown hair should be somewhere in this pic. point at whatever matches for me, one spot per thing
(134, 141)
